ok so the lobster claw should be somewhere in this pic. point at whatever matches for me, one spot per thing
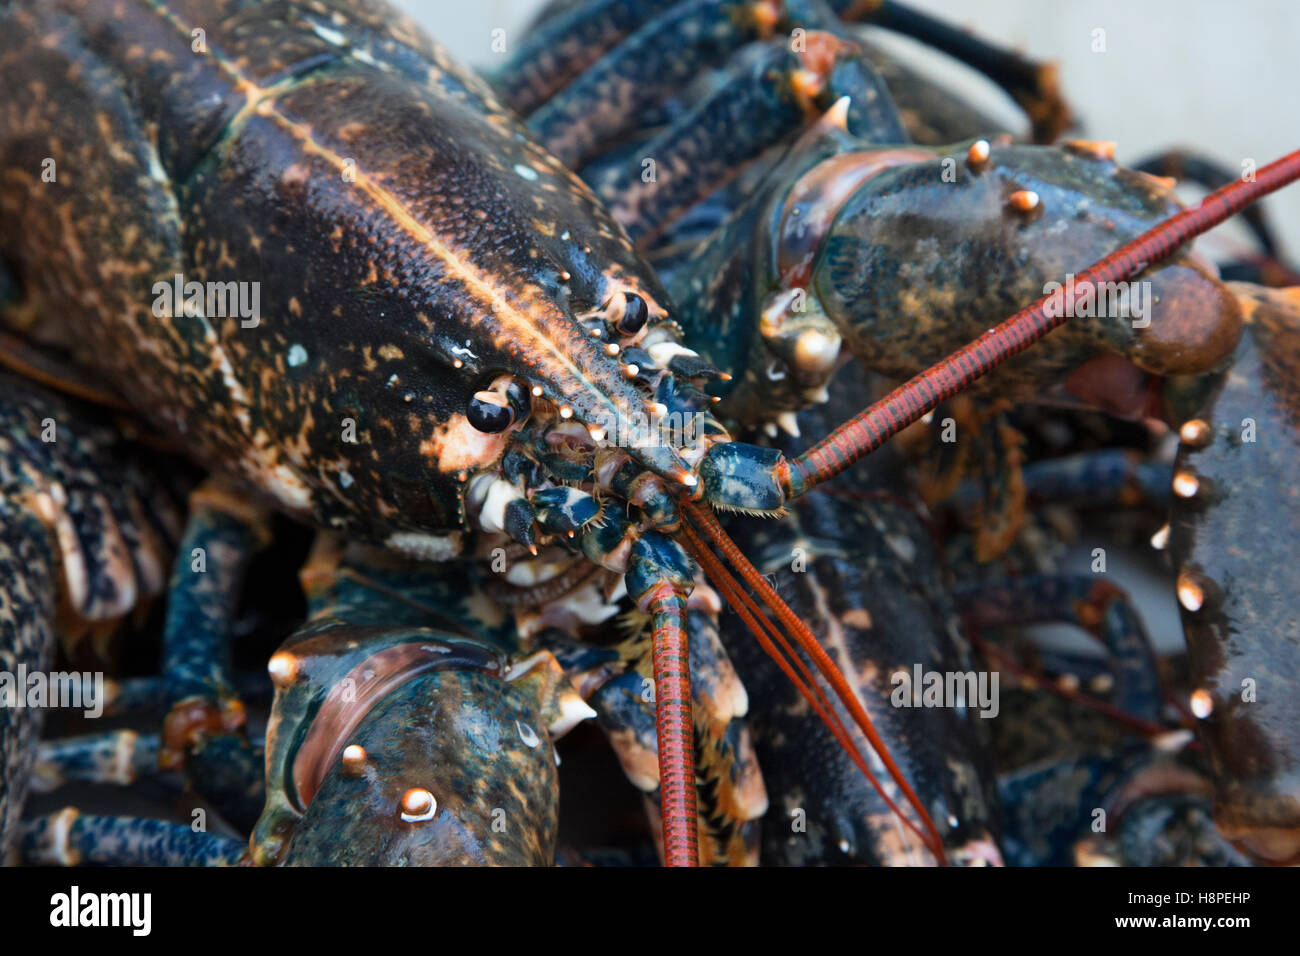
(453, 769)
(923, 256)
(413, 746)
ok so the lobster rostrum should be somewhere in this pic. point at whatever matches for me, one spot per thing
(434, 360)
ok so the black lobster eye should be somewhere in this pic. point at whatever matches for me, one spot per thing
(635, 313)
(490, 412)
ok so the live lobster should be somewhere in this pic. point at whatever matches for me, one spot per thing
(459, 349)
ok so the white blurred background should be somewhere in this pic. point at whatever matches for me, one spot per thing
(1218, 76)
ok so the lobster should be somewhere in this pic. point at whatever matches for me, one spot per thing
(795, 240)
(440, 363)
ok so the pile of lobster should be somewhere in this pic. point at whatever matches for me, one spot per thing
(526, 353)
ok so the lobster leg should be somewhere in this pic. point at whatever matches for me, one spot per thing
(703, 150)
(647, 67)
(69, 838)
(27, 640)
(1156, 812)
(751, 107)
(203, 726)
(1032, 85)
(991, 449)
(117, 757)
(1170, 828)
(1099, 608)
(1107, 477)
(565, 40)
(1114, 800)
(730, 791)
(935, 114)
(78, 549)
(144, 695)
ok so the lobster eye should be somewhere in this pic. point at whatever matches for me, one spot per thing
(634, 316)
(490, 412)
